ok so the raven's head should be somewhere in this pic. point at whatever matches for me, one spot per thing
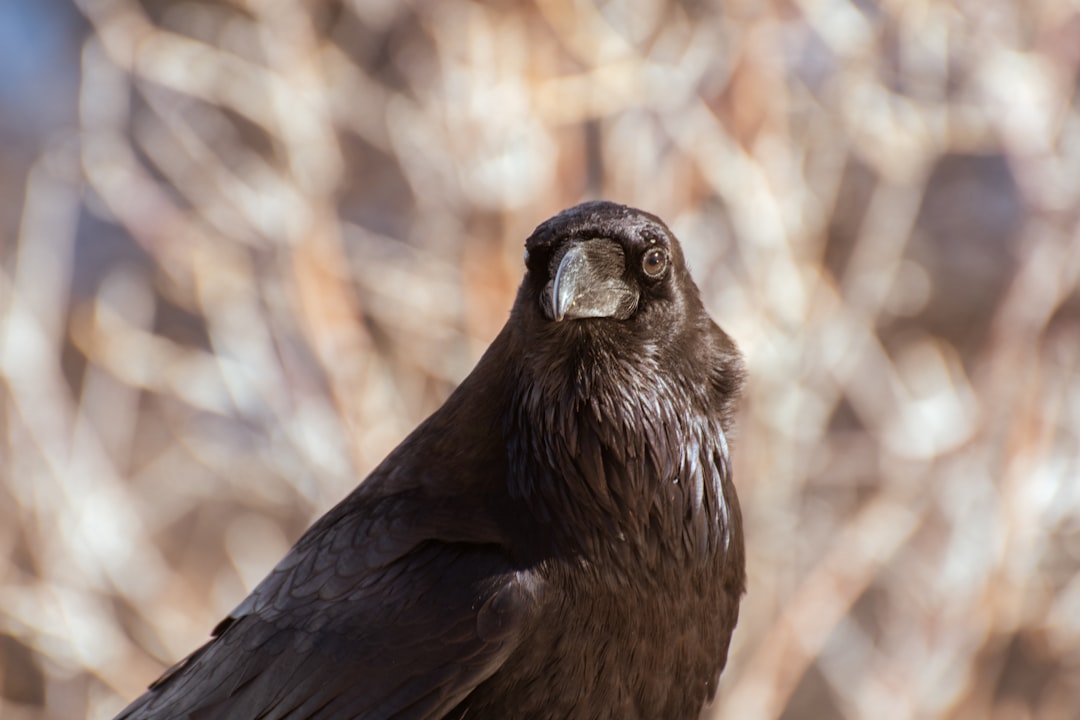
(607, 287)
(600, 260)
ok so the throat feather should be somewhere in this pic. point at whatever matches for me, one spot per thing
(636, 470)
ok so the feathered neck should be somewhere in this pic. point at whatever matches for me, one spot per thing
(613, 466)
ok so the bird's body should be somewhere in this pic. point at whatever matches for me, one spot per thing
(560, 540)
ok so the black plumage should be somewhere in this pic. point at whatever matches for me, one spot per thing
(561, 539)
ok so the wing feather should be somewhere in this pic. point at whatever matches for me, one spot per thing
(397, 623)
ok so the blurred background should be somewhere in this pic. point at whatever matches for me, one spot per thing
(246, 245)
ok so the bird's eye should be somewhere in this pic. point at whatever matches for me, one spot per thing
(654, 262)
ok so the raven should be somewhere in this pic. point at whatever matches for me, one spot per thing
(561, 539)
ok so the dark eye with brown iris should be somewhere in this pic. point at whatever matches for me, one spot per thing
(654, 261)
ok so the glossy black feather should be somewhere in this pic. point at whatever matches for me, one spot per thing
(560, 540)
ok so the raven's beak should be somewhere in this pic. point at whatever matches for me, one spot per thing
(589, 283)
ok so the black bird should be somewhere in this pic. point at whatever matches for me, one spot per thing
(561, 539)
